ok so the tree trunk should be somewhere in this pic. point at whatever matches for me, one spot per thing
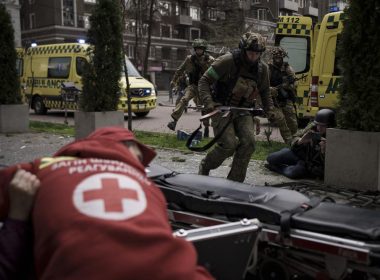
(148, 43)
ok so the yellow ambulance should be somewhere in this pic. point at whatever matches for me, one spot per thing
(46, 67)
(312, 54)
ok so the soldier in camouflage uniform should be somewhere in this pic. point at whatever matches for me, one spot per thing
(237, 78)
(194, 66)
(282, 77)
(306, 157)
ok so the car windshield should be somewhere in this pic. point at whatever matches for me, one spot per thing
(132, 71)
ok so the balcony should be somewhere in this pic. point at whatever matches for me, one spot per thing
(288, 5)
(183, 20)
(309, 11)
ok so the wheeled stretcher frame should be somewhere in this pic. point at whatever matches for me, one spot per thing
(300, 237)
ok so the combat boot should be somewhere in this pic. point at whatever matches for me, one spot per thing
(172, 125)
(202, 168)
(206, 132)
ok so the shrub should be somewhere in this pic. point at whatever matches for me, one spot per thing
(9, 79)
(101, 76)
(359, 52)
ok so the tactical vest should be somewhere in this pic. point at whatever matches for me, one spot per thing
(223, 91)
(277, 76)
(197, 71)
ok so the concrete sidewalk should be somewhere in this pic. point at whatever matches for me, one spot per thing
(24, 147)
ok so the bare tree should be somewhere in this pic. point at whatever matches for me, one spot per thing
(225, 25)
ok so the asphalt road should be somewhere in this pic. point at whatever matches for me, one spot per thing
(155, 121)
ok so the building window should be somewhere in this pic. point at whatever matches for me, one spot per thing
(68, 12)
(152, 52)
(131, 51)
(86, 21)
(32, 21)
(145, 29)
(262, 14)
(180, 32)
(195, 33)
(195, 13)
(165, 8)
(130, 26)
(212, 14)
(166, 31)
(166, 53)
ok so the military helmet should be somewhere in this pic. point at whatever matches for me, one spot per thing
(278, 52)
(199, 44)
(252, 42)
(325, 117)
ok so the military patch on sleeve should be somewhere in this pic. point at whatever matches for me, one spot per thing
(212, 73)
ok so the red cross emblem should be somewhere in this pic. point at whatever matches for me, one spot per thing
(109, 196)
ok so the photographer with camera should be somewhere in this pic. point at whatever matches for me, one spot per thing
(306, 156)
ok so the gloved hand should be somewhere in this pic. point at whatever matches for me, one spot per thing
(209, 106)
(273, 91)
(271, 115)
(286, 86)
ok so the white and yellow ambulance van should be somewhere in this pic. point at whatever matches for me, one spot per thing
(312, 54)
(45, 67)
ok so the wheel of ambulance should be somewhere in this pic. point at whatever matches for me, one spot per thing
(141, 114)
(39, 106)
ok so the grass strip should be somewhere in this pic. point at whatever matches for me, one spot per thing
(157, 140)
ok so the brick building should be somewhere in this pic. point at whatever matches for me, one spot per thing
(176, 24)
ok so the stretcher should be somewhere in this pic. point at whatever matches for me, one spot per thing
(301, 237)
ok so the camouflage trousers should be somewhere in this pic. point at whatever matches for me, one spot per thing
(190, 92)
(238, 140)
(286, 121)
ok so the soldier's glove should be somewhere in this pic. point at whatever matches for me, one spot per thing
(271, 115)
(286, 86)
(209, 107)
(273, 91)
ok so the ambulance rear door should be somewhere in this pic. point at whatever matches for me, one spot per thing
(326, 74)
(295, 35)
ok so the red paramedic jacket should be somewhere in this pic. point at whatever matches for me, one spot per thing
(97, 215)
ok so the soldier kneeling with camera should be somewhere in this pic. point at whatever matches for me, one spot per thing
(306, 156)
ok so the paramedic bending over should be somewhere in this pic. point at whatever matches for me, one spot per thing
(97, 216)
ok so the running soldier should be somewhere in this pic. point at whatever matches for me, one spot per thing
(237, 78)
(282, 78)
(194, 66)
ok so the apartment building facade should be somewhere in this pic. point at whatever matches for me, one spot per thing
(176, 24)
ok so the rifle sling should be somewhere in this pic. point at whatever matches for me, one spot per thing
(209, 144)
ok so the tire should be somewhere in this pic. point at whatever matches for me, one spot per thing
(39, 106)
(141, 114)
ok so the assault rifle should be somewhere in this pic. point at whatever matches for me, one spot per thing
(283, 94)
(226, 109)
(290, 79)
(220, 109)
